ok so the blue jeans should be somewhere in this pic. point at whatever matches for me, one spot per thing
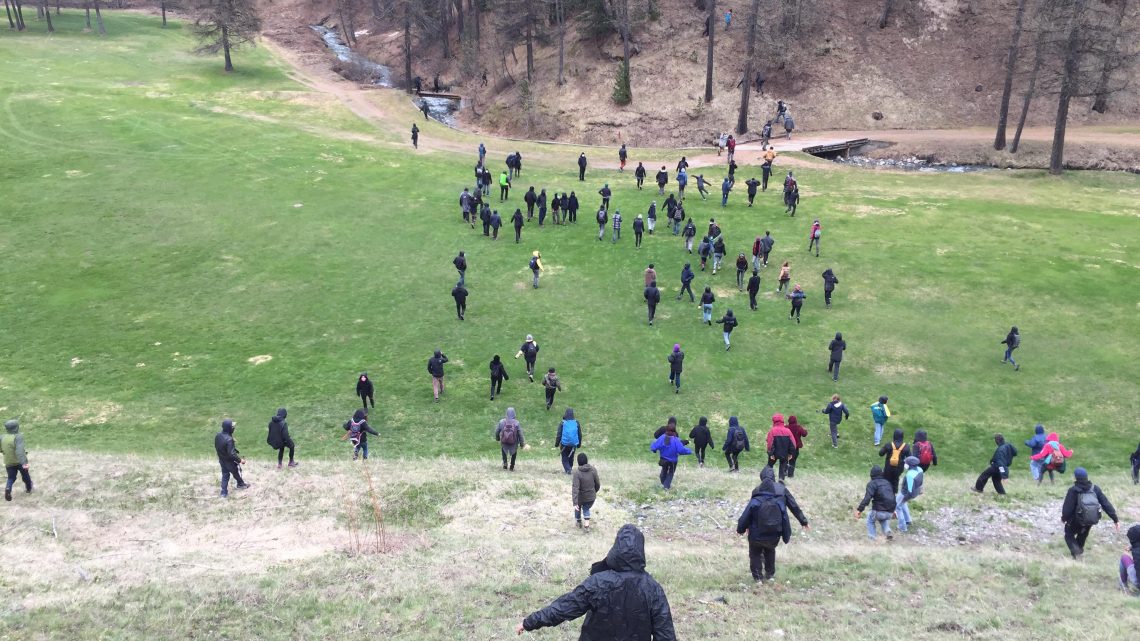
(535, 278)
(1036, 468)
(717, 258)
(882, 518)
(676, 227)
(902, 510)
(583, 511)
(617, 234)
(706, 313)
(1009, 357)
(462, 273)
(878, 433)
(675, 378)
(727, 336)
(724, 199)
(361, 449)
(568, 458)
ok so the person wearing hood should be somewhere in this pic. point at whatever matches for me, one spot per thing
(485, 218)
(638, 231)
(555, 209)
(16, 459)
(689, 233)
(676, 360)
(829, 283)
(669, 448)
(550, 385)
(836, 347)
(797, 297)
(584, 490)
(702, 439)
(741, 269)
(652, 297)
(687, 277)
(365, 390)
(729, 322)
(651, 217)
(498, 375)
(356, 430)
(536, 267)
(999, 466)
(882, 500)
(509, 434)
(435, 368)
(707, 300)
(735, 442)
(542, 208)
(836, 411)
(228, 457)
(798, 434)
(530, 198)
(752, 185)
(568, 439)
(459, 293)
(582, 167)
(460, 263)
(753, 288)
(682, 182)
(718, 251)
(814, 235)
(606, 193)
(1129, 581)
(279, 437)
(894, 456)
(1012, 341)
(781, 445)
(765, 520)
(1135, 460)
(1051, 458)
(572, 208)
(602, 218)
(639, 174)
(1035, 445)
(662, 180)
(766, 244)
(517, 222)
(619, 598)
(924, 450)
(529, 352)
(1081, 511)
(911, 490)
(496, 223)
(880, 414)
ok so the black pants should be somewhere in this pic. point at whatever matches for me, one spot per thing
(639, 181)
(833, 368)
(667, 471)
(530, 369)
(751, 197)
(606, 204)
(281, 451)
(700, 452)
(637, 239)
(14, 470)
(573, 215)
(529, 211)
(550, 396)
(652, 311)
(496, 385)
(764, 180)
(365, 399)
(740, 279)
(567, 452)
(783, 463)
(486, 229)
(494, 233)
(460, 308)
(827, 297)
(991, 472)
(752, 299)
(762, 560)
(581, 173)
(792, 464)
(518, 233)
(512, 453)
(1136, 471)
(687, 287)
(891, 474)
(796, 313)
(1075, 536)
(834, 434)
(733, 458)
(764, 258)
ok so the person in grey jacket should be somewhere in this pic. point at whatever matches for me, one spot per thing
(509, 434)
(15, 458)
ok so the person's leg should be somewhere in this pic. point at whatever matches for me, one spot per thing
(550, 397)
(672, 470)
(12, 470)
(834, 436)
(701, 455)
(983, 478)
(514, 453)
(752, 301)
(1082, 535)
(503, 451)
(1050, 476)
(567, 458)
(827, 297)
(769, 561)
(1013, 362)
(835, 374)
(586, 508)
(225, 480)
(783, 468)
(1136, 472)
(530, 370)
(792, 464)
(727, 340)
(1071, 540)
(677, 382)
(661, 468)
(885, 522)
(871, 524)
(999, 487)
(578, 515)
(728, 457)
(878, 433)
(900, 511)
(756, 560)
(280, 455)
(26, 477)
(534, 280)
(364, 447)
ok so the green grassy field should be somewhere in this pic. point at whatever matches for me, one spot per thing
(164, 223)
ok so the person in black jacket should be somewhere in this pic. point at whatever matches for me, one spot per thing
(530, 198)
(638, 231)
(498, 375)
(619, 598)
(702, 439)
(356, 430)
(460, 263)
(1012, 341)
(829, 283)
(687, 277)
(1081, 511)
(605, 192)
(279, 438)
(652, 297)
(485, 218)
(752, 185)
(435, 368)
(229, 458)
(496, 223)
(517, 221)
(365, 390)
(753, 289)
(676, 360)
(662, 180)
(459, 293)
(836, 411)
(735, 442)
(729, 322)
(542, 208)
(529, 351)
(572, 207)
(765, 519)
(998, 469)
(897, 450)
(1135, 460)
(836, 347)
(639, 174)
(882, 501)
(582, 166)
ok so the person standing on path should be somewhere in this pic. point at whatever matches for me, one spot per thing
(702, 439)
(753, 289)
(998, 469)
(535, 267)
(652, 297)
(459, 293)
(1012, 341)
(797, 297)
(687, 277)
(829, 283)
(765, 520)
(780, 444)
(435, 369)
(279, 438)
(731, 145)
(619, 598)
(669, 448)
(735, 442)
(729, 322)
(911, 489)
(568, 439)
(550, 385)
(676, 360)
(365, 390)
(584, 491)
(880, 414)
(498, 375)
(836, 411)
(894, 456)
(517, 221)
(416, 132)
(509, 434)
(707, 300)
(1081, 511)
(15, 457)
(638, 231)
(228, 457)
(582, 167)
(529, 352)
(798, 434)
(882, 501)
(837, 346)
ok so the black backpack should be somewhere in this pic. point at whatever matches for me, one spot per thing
(1088, 509)
(739, 438)
(533, 262)
(770, 515)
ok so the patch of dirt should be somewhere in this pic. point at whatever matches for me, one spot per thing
(92, 413)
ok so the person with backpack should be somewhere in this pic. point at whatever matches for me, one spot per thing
(529, 352)
(765, 520)
(638, 231)
(894, 456)
(465, 201)
(1129, 581)
(535, 267)
(813, 237)
(435, 368)
(784, 277)
(791, 202)
(619, 598)
(741, 269)
(798, 434)
(998, 469)
(498, 375)
(582, 167)
(702, 439)
(718, 251)
(550, 385)
(735, 442)
(829, 283)
(676, 360)
(729, 322)
(365, 390)
(789, 125)
(602, 217)
(688, 234)
(704, 250)
(568, 439)
(1035, 445)
(584, 491)
(669, 448)
(687, 277)
(509, 434)
(781, 445)
(923, 449)
(837, 346)
(911, 489)
(459, 293)
(1081, 511)
(753, 288)
(836, 411)
(356, 431)
(797, 297)
(752, 184)
(639, 174)
(278, 437)
(15, 457)
(882, 501)
(652, 296)
(1134, 459)
(1051, 457)
(616, 222)
(880, 414)
(766, 134)
(517, 223)
(224, 445)
(1012, 341)
(662, 180)
(707, 300)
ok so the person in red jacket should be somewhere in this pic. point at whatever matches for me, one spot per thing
(798, 434)
(781, 445)
(1053, 457)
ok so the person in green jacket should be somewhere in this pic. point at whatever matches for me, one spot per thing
(15, 457)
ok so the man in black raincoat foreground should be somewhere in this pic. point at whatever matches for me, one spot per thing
(621, 601)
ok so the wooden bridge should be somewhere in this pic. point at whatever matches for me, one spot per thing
(833, 150)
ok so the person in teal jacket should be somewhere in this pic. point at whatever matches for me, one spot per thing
(670, 448)
(879, 414)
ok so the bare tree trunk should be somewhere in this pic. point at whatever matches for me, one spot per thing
(746, 84)
(47, 16)
(20, 24)
(445, 26)
(408, 48)
(87, 15)
(559, 13)
(474, 6)
(57, 7)
(1068, 87)
(1100, 103)
(163, 16)
(459, 19)
(99, 19)
(1038, 59)
(226, 48)
(1010, 67)
(529, 49)
(39, 11)
(12, 23)
(377, 12)
(709, 67)
(886, 14)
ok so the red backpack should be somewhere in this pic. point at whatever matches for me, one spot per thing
(925, 452)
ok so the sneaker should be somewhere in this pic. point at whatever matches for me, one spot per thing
(224, 495)
(279, 466)
(1017, 368)
(579, 525)
(244, 486)
(890, 537)
(975, 490)
(8, 494)
(504, 466)
(293, 463)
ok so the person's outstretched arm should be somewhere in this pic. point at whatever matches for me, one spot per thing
(567, 607)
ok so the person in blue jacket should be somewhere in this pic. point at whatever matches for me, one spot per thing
(568, 439)
(1035, 445)
(669, 447)
(735, 442)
